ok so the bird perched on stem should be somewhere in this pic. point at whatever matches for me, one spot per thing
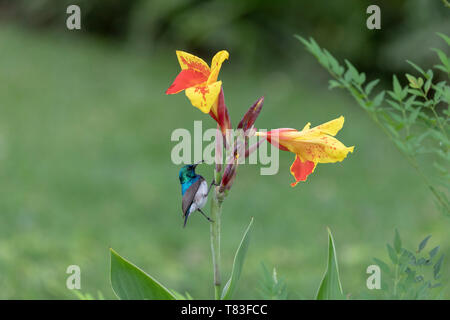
(194, 190)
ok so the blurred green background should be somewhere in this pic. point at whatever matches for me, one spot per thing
(85, 144)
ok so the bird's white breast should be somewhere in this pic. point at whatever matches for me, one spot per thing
(200, 197)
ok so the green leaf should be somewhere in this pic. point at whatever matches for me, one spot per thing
(410, 102)
(334, 84)
(131, 283)
(392, 254)
(413, 116)
(414, 82)
(352, 73)
(443, 57)
(330, 287)
(378, 99)
(179, 296)
(383, 266)
(433, 252)
(334, 64)
(415, 92)
(188, 296)
(238, 263)
(317, 52)
(371, 85)
(303, 40)
(443, 36)
(403, 147)
(437, 267)
(362, 78)
(394, 104)
(271, 287)
(415, 66)
(396, 86)
(423, 243)
(428, 85)
(442, 68)
(397, 242)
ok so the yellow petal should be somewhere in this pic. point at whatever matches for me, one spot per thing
(331, 127)
(204, 96)
(216, 64)
(308, 125)
(328, 128)
(214, 108)
(323, 149)
(189, 61)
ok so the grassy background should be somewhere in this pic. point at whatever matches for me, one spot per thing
(85, 165)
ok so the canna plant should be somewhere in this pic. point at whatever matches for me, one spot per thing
(311, 146)
(415, 116)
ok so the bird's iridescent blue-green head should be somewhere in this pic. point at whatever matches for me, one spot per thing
(188, 172)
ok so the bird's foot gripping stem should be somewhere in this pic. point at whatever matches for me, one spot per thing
(213, 183)
(208, 218)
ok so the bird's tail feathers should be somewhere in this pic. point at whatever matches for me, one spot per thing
(185, 219)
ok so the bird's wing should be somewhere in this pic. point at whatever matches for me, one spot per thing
(189, 195)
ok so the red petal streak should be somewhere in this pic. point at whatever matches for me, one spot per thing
(186, 79)
(222, 113)
(211, 113)
(196, 66)
(301, 170)
(277, 137)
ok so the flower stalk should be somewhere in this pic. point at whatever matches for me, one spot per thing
(216, 212)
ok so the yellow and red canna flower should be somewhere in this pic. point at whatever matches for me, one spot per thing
(199, 81)
(311, 146)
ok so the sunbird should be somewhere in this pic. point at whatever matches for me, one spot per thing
(194, 190)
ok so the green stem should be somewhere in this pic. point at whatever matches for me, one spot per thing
(216, 210)
(441, 127)
(396, 280)
(432, 107)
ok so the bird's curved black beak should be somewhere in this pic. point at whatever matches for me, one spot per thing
(195, 165)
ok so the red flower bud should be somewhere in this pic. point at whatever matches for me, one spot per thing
(219, 150)
(250, 116)
(219, 112)
(228, 177)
